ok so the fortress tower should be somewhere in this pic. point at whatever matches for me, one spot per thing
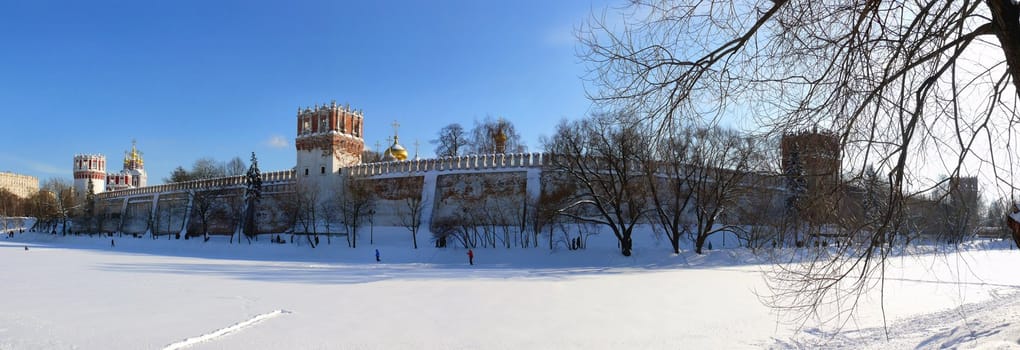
(818, 155)
(329, 137)
(86, 167)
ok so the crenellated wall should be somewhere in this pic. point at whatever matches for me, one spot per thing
(470, 162)
(447, 187)
(490, 189)
(268, 179)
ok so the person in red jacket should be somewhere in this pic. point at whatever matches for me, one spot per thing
(471, 257)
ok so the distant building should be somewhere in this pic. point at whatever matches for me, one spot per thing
(22, 186)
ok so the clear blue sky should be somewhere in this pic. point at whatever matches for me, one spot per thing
(191, 79)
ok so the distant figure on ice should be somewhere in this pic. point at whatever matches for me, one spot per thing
(377, 255)
(111, 243)
(471, 257)
(26, 247)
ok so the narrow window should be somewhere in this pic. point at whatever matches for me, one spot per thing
(322, 170)
(306, 171)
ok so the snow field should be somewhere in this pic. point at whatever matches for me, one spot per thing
(78, 292)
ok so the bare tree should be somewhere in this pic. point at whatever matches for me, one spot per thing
(307, 198)
(495, 136)
(994, 214)
(43, 205)
(234, 167)
(723, 170)
(8, 202)
(355, 201)
(410, 216)
(329, 212)
(204, 202)
(12, 205)
(289, 204)
(370, 156)
(670, 177)
(206, 168)
(907, 86)
(61, 199)
(602, 156)
(453, 141)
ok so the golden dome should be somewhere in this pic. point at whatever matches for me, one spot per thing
(500, 136)
(133, 159)
(395, 152)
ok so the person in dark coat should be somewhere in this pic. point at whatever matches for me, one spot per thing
(112, 244)
(471, 257)
(377, 255)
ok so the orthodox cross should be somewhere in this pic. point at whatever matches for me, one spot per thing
(396, 126)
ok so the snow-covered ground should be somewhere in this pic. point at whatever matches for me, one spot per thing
(83, 293)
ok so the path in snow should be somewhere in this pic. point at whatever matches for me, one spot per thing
(224, 331)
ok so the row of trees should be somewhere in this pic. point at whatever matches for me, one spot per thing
(353, 205)
(54, 205)
(486, 137)
(617, 171)
(909, 86)
(207, 168)
(613, 170)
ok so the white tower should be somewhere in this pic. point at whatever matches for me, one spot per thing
(89, 167)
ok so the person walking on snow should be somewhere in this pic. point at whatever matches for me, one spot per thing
(471, 257)
(111, 243)
(377, 255)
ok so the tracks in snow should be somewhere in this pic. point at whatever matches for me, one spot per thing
(224, 331)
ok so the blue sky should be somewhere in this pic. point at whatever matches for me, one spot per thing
(191, 79)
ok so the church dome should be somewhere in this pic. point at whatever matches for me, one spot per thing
(395, 152)
(133, 159)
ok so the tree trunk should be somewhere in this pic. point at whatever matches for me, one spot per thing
(699, 242)
(626, 243)
(674, 239)
(1005, 15)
